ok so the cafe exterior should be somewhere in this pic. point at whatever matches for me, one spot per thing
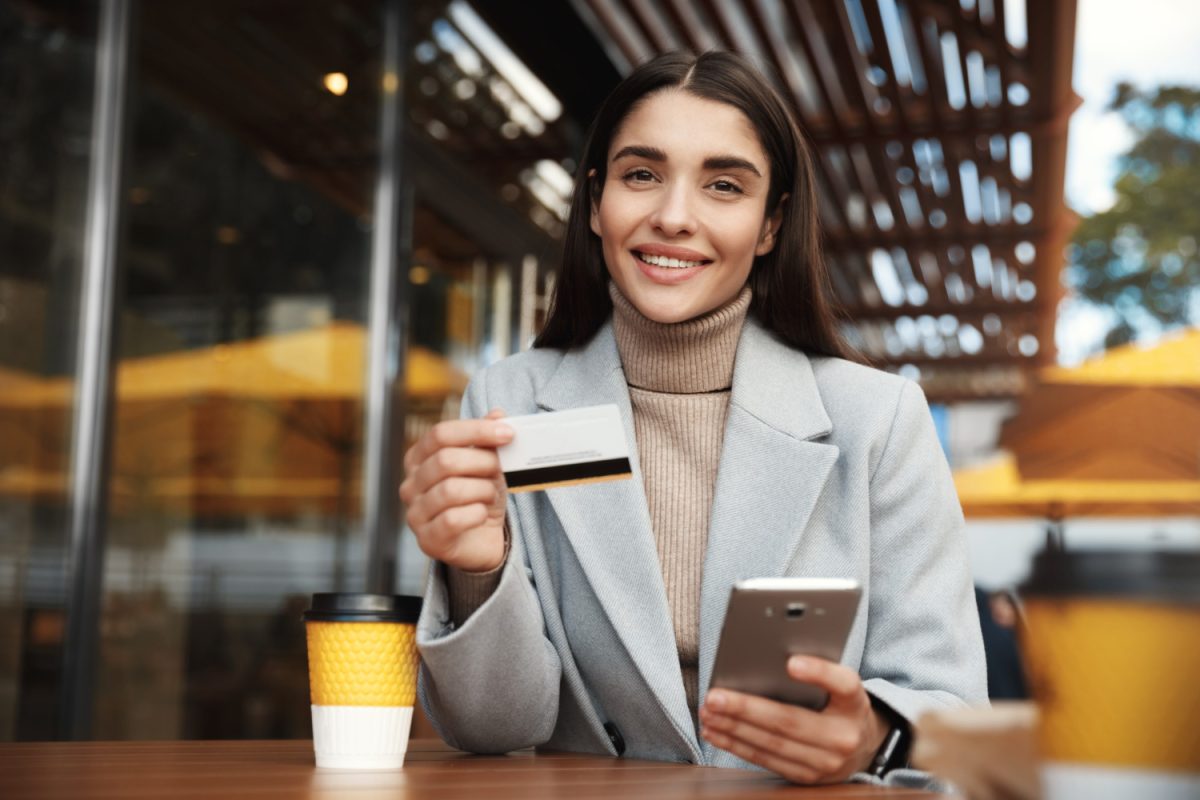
(248, 251)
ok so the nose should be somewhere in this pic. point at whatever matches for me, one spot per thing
(674, 215)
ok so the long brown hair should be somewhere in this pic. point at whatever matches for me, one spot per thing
(790, 284)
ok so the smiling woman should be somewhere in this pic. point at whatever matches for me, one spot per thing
(692, 295)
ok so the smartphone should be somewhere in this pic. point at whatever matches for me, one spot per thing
(770, 619)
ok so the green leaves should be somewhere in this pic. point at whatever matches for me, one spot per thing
(1140, 258)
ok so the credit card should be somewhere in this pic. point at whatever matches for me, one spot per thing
(565, 448)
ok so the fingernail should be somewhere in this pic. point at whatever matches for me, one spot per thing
(799, 664)
(715, 701)
(503, 432)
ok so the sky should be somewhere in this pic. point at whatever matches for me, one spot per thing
(1145, 42)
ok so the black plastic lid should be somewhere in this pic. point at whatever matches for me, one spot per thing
(1171, 576)
(361, 607)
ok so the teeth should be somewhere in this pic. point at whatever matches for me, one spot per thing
(669, 263)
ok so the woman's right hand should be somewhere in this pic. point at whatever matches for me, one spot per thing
(455, 493)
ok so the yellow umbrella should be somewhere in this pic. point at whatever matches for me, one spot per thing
(998, 490)
(1116, 436)
(325, 362)
(1131, 414)
(1174, 361)
(270, 423)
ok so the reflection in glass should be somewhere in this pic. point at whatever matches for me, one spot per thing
(237, 437)
(46, 71)
(234, 479)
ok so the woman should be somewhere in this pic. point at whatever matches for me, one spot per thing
(692, 294)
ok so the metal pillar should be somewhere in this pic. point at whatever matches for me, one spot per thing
(387, 320)
(94, 353)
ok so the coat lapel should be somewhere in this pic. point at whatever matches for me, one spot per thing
(608, 525)
(770, 475)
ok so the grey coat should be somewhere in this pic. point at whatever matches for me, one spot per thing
(828, 469)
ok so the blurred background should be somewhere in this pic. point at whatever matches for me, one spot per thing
(250, 248)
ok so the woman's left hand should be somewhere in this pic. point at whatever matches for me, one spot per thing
(802, 745)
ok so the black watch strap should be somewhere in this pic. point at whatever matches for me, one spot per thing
(893, 752)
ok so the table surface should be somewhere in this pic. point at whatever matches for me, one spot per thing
(265, 770)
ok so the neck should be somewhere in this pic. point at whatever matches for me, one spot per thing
(682, 357)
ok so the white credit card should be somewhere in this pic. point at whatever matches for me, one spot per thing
(565, 448)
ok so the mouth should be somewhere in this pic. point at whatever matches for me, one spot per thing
(663, 262)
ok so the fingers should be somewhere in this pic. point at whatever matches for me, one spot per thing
(794, 762)
(486, 432)
(764, 736)
(843, 684)
(450, 493)
(781, 719)
(467, 462)
(440, 537)
(803, 745)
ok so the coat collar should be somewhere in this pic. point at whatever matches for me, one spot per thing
(773, 468)
(768, 480)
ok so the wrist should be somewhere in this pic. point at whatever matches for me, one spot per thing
(878, 728)
(894, 742)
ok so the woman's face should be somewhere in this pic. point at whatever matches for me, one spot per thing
(683, 211)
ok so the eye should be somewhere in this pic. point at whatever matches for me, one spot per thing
(639, 175)
(726, 187)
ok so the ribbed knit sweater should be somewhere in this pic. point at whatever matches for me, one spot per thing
(679, 378)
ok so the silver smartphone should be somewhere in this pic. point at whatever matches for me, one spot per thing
(770, 619)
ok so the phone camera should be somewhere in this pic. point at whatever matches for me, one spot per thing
(795, 610)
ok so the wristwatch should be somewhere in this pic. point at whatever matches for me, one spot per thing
(893, 752)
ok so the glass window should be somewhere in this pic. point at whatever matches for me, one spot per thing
(235, 480)
(47, 55)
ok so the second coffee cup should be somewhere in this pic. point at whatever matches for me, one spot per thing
(1111, 648)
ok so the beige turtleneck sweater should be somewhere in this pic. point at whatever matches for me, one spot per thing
(679, 378)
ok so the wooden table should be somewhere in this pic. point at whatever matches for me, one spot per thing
(266, 770)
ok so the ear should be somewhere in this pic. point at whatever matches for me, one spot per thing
(594, 215)
(770, 229)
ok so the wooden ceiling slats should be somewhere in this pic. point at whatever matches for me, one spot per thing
(623, 30)
(699, 37)
(853, 68)
(883, 62)
(958, 28)
(1004, 60)
(886, 140)
(660, 31)
(851, 194)
(840, 117)
(776, 47)
(724, 34)
(843, 288)
(735, 28)
(833, 208)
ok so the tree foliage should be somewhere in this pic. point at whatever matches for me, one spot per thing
(1140, 258)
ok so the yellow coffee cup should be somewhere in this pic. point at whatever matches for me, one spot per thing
(1112, 648)
(362, 671)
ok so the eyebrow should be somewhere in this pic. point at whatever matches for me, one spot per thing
(712, 162)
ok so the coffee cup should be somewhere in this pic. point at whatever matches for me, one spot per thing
(362, 669)
(1111, 644)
